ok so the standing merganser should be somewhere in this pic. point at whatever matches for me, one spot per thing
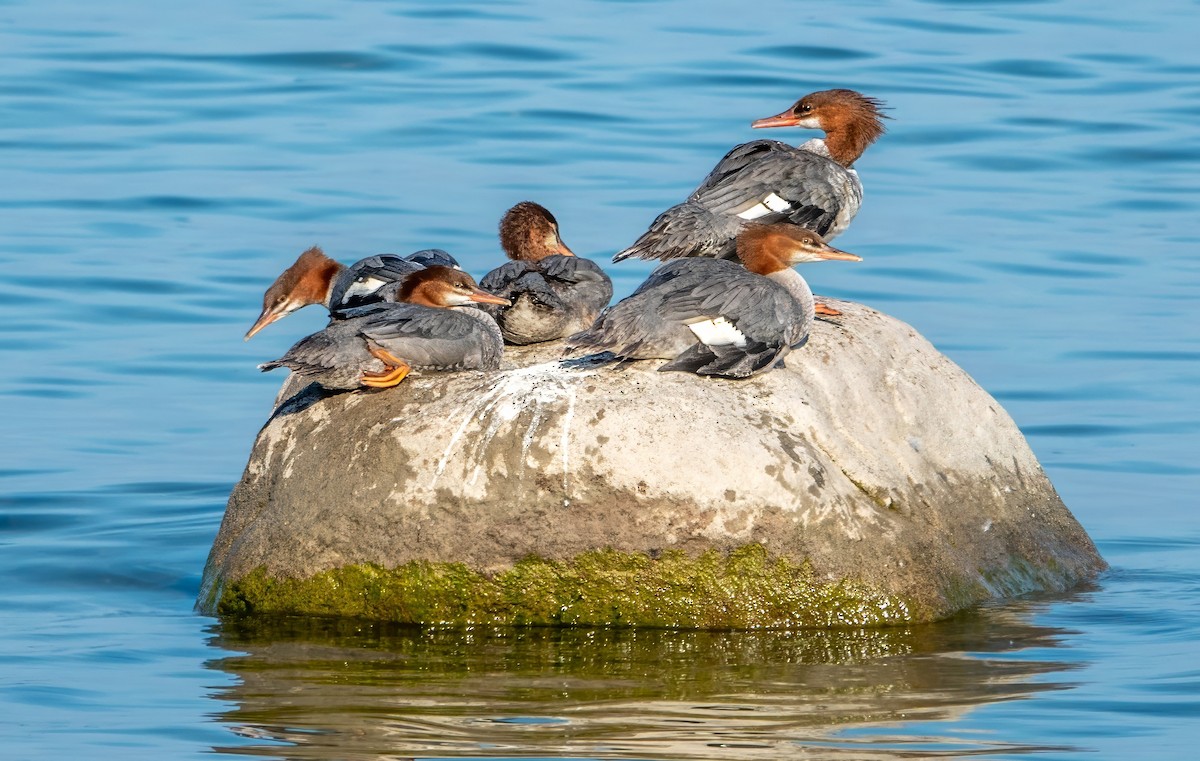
(433, 325)
(314, 278)
(716, 317)
(765, 181)
(554, 293)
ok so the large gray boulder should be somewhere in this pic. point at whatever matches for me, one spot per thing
(869, 481)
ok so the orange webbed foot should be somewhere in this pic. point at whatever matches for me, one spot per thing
(394, 371)
(828, 311)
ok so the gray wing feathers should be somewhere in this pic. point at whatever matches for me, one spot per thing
(590, 288)
(758, 308)
(633, 329)
(503, 276)
(429, 257)
(573, 269)
(310, 355)
(688, 229)
(443, 339)
(815, 188)
(550, 298)
(332, 356)
(738, 158)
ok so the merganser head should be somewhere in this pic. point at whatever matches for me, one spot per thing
(308, 281)
(440, 286)
(764, 249)
(851, 121)
(529, 231)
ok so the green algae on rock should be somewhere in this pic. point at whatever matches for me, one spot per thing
(743, 590)
(869, 470)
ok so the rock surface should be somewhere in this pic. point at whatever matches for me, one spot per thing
(869, 481)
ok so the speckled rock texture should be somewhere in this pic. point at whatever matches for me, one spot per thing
(870, 461)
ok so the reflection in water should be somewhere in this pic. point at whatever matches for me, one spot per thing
(342, 689)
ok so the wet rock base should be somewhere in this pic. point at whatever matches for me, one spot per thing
(744, 589)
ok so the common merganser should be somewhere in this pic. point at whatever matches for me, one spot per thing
(433, 325)
(765, 181)
(315, 278)
(716, 317)
(554, 293)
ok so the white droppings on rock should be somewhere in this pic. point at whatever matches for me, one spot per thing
(536, 391)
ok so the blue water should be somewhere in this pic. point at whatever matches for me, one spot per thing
(1033, 211)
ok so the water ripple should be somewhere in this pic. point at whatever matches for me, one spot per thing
(813, 52)
(146, 203)
(1034, 68)
(1135, 355)
(333, 60)
(519, 53)
(942, 27)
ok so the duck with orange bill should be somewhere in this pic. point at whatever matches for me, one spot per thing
(554, 293)
(814, 186)
(315, 278)
(716, 317)
(433, 324)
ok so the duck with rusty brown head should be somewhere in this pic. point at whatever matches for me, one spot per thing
(554, 293)
(315, 278)
(814, 186)
(716, 317)
(433, 324)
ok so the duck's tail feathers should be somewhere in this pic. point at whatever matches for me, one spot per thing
(588, 341)
(724, 361)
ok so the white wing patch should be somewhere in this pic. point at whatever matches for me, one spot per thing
(775, 203)
(717, 332)
(769, 204)
(364, 286)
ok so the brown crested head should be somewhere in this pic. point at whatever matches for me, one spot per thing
(765, 249)
(850, 120)
(440, 286)
(529, 232)
(307, 281)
